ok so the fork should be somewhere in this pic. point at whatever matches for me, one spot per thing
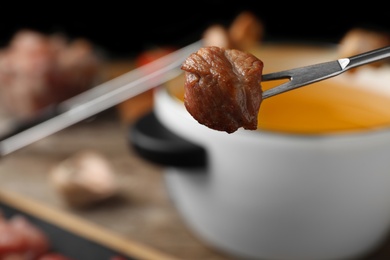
(299, 77)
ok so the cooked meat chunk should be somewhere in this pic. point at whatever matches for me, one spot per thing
(222, 88)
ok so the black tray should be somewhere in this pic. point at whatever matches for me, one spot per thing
(65, 242)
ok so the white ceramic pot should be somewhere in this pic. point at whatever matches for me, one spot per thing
(265, 195)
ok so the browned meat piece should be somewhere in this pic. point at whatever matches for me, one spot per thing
(222, 88)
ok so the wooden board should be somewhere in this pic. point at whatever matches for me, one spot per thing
(75, 237)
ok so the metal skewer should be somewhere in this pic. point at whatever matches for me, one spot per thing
(303, 76)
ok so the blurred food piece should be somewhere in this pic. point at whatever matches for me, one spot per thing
(20, 239)
(358, 40)
(244, 33)
(37, 70)
(217, 35)
(139, 105)
(84, 179)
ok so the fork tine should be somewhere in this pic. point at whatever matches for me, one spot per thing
(277, 75)
(278, 89)
(302, 76)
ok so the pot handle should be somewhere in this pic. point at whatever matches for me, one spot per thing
(154, 142)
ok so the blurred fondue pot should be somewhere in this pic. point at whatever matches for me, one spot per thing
(313, 182)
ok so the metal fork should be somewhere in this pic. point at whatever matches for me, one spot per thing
(303, 76)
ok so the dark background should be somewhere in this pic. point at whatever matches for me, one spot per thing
(128, 27)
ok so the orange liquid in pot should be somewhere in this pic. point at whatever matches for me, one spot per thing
(323, 107)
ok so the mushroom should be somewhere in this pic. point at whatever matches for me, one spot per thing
(85, 178)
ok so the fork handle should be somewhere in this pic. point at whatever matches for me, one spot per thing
(368, 57)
